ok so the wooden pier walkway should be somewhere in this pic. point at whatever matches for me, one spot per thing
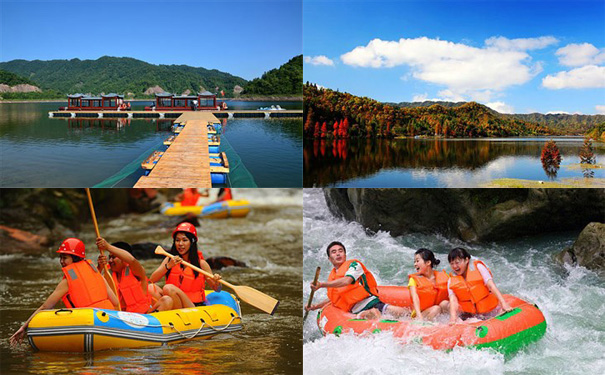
(186, 163)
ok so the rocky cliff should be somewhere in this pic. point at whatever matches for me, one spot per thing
(472, 215)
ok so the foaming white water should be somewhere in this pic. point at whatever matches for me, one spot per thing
(270, 197)
(571, 298)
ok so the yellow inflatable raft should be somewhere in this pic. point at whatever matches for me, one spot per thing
(91, 329)
(217, 210)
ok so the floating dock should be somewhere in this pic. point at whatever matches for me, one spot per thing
(228, 114)
(187, 161)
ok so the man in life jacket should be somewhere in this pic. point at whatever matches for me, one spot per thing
(351, 287)
(130, 279)
(82, 285)
(471, 288)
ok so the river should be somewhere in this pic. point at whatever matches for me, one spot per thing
(36, 150)
(571, 298)
(268, 240)
(438, 162)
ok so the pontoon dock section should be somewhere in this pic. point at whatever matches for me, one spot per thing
(229, 113)
(187, 161)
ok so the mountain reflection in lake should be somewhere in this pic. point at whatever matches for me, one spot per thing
(436, 162)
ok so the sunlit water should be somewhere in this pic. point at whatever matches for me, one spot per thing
(571, 298)
(438, 162)
(269, 240)
(36, 150)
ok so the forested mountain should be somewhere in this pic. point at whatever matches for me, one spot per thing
(286, 80)
(330, 113)
(561, 122)
(11, 79)
(121, 75)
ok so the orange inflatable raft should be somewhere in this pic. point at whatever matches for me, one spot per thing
(506, 333)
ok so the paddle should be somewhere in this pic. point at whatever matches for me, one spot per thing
(106, 274)
(312, 293)
(247, 294)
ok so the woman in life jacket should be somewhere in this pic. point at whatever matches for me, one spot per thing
(471, 289)
(184, 285)
(130, 279)
(82, 285)
(428, 287)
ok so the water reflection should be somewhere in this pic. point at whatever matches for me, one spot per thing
(114, 124)
(335, 162)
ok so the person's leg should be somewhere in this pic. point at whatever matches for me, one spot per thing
(370, 314)
(445, 307)
(179, 298)
(163, 304)
(396, 311)
(431, 312)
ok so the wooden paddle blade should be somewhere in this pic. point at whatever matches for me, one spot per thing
(256, 298)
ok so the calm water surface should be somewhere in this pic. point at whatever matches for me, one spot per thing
(437, 162)
(571, 299)
(39, 151)
(266, 345)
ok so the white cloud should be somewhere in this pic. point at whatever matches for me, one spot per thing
(580, 54)
(425, 98)
(590, 76)
(501, 107)
(557, 113)
(464, 70)
(520, 44)
(600, 109)
(319, 60)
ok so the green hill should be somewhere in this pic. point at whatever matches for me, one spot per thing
(121, 75)
(11, 79)
(286, 80)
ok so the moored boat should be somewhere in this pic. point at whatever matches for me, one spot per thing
(152, 160)
(106, 102)
(217, 210)
(92, 329)
(506, 333)
(171, 102)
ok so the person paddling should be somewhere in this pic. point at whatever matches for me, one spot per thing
(352, 288)
(184, 285)
(428, 288)
(130, 279)
(471, 289)
(82, 285)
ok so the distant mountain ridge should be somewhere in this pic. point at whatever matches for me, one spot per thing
(565, 123)
(119, 74)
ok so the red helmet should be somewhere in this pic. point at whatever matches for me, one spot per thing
(185, 227)
(72, 246)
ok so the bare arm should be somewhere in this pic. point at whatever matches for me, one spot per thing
(494, 289)
(61, 290)
(135, 266)
(453, 308)
(416, 301)
(213, 281)
(338, 283)
(319, 305)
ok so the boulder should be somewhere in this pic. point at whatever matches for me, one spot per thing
(471, 215)
(588, 250)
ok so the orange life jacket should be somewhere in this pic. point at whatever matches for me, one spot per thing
(431, 294)
(347, 296)
(190, 197)
(131, 295)
(185, 279)
(86, 286)
(474, 297)
(227, 196)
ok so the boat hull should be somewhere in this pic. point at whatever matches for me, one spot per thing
(506, 333)
(91, 329)
(217, 210)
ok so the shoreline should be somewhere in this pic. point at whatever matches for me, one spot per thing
(252, 99)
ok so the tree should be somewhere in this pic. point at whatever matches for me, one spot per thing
(586, 152)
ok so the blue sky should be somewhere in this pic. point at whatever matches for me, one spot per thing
(515, 56)
(244, 38)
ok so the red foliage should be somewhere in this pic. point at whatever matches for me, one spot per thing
(324, 130)
(550, 153)
(316, 132)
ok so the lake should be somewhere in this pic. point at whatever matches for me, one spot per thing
(437, 162)
(39, 151)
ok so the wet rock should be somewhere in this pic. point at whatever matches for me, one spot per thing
(16, 241)
(472, 215)
(217, 263)
(588, 250)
